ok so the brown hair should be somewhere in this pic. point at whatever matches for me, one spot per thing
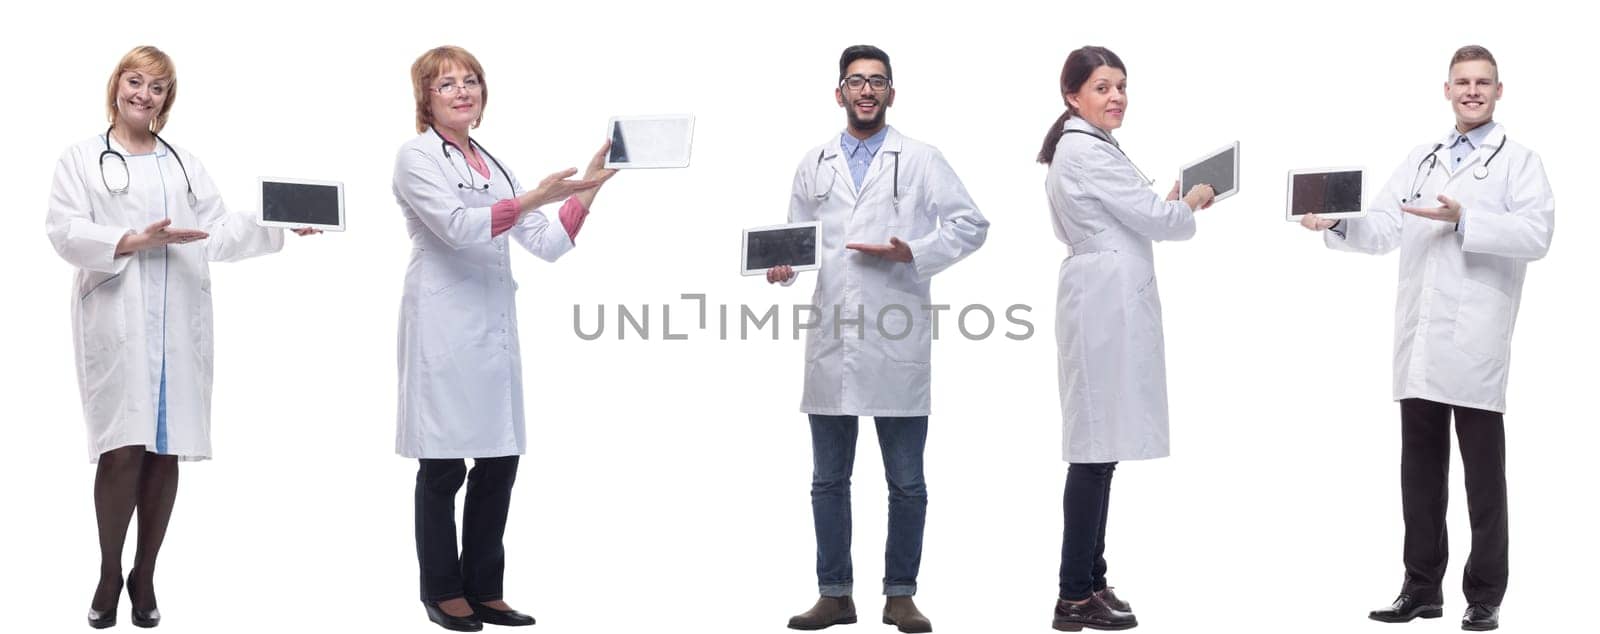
(1079, 66)
(150, 61)
(428, 67)
(1473, 52)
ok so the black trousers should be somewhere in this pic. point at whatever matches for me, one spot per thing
(478, 573)
(1425, 491)
(1085, 506)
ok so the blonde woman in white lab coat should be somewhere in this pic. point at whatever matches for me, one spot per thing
(1462, 263)
(460, 362)
(139, 218)
(1111, 357)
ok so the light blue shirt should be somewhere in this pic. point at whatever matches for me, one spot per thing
(1466, 143)
(858, 153)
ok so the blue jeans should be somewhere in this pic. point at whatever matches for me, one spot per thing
(833, 455)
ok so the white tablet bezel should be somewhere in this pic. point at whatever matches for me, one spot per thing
(1184, 189)
(1288, 193)
(611, 124)
(261, 200)
(744, 247)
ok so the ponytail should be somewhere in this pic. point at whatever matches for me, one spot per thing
(1047, 153)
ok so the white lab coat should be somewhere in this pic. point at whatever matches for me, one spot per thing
(134, 315)
(1111, 358)
(862, 372)
(460, 363)
(1459, 291)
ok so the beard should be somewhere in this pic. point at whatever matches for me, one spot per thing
(864, 125)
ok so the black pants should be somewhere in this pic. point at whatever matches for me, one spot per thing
(1083, 543)
(1425, 490)
(479, 572)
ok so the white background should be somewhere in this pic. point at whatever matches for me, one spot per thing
(666, 483)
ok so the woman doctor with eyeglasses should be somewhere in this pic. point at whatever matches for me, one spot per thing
(460, 362)
(140, 220)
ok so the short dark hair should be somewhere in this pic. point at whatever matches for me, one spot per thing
(864, 51)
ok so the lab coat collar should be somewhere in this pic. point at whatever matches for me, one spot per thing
(887, 158)
(892, 142)
(1076, 122)
(159, 152)
(1493, 136)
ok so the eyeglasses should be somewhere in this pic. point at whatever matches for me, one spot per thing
(856, 82)
(471, 86)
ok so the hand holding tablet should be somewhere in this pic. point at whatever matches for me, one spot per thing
(796, 246)
(306, 206)
(1219, 169)
(1328, 193)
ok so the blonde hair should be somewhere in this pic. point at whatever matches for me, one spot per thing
(150, 61)
(428, 67)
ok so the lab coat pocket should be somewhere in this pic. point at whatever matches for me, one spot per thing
(902, 327)
(453, 321)
(101, 321)
(1483, 321)
(1144, 343)
(200, 328)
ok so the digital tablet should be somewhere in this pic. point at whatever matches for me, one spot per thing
(797, 245)
(1219, 169)
(653, 141)
(1330, 192)
(294, 203)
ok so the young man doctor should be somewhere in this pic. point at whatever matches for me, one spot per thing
(893, 214)
(1462, 264)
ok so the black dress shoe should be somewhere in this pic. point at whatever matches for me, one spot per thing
(102, 620)
(499, 617)
(142, 618)
(1112, 600)
(146, 618)
(1094, 614)
(1406, 608)
(1481, 618)
(453, 623)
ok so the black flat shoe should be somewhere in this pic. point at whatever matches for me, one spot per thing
(1093, 614)
(1406, 608)
(510, 618)
(102, 620)
(142, 618)
(453, 623)
(1111, 599)
(1481, 618)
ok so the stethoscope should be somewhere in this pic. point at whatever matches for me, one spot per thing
(127, 176)
(1432, 161)
(1118, 148)
(445, 145)
(822, 194)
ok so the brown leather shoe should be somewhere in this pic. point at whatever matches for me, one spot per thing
(1112, 600)
(828, 611)
(1093, 614)
(902, 613)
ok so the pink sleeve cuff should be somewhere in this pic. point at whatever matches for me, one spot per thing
(502, 216)
(572, 215)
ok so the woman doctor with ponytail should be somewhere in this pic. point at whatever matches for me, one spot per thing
(1108, 319)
